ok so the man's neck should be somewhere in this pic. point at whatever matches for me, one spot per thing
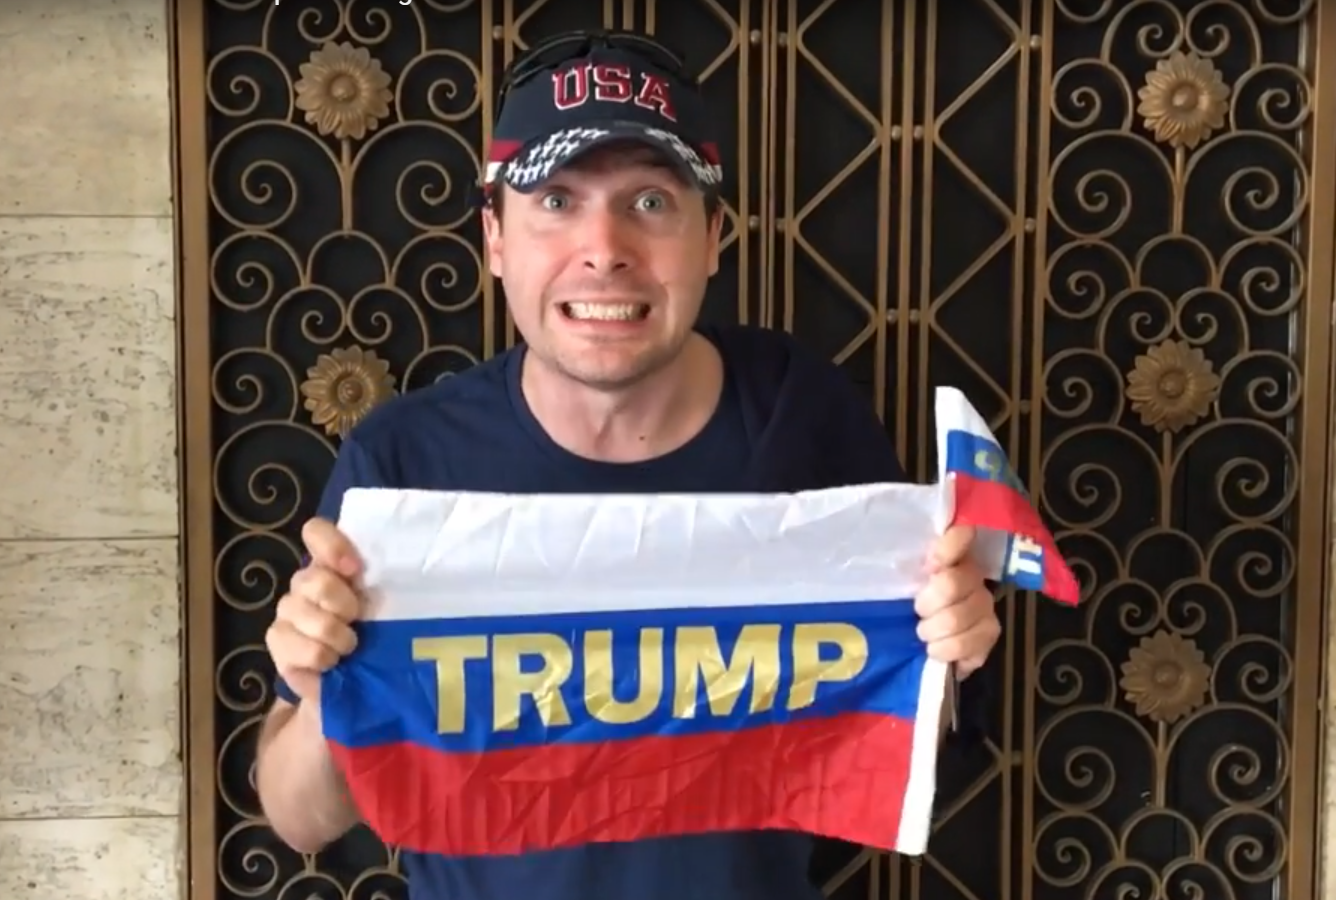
(645, 421)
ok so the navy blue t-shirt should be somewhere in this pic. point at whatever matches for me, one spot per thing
(787, 421)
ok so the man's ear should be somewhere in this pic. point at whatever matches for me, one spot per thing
(491, 232)
(714, 238)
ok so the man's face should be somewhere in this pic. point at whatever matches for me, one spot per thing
(605, 265)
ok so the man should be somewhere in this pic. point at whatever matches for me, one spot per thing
(603, 223)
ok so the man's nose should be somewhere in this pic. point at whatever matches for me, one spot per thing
(606, 243)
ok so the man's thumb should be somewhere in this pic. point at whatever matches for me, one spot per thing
(330, 548)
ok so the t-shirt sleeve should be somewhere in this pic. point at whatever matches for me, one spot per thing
(352, 468)
(859, 449)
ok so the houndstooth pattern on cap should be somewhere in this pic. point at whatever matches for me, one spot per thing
(535, 165)
(706, 174)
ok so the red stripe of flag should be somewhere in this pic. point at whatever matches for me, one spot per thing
(843, 776)
(993, 504)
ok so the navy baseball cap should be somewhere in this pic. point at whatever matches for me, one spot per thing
(578, 91)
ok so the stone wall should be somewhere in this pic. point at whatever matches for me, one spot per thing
(90, 769)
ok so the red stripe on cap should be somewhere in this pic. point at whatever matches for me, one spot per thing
(502, 151)
(711, 153)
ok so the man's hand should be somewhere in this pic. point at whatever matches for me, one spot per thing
(957, 613)
(312, 627)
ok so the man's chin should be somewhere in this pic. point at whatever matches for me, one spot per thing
(614, 369)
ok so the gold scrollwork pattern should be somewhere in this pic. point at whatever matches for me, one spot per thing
(344, 267)
(1173, 275)
(1085, 213)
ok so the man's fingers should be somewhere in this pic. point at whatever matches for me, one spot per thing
(331, 548)
(952, 548)
(311, 630)
(945, 589)
(967, 649)
(328, 591)
(297, 651)
(958, 619)
(284, 645)
(317, 624)
(305, 683)
(964, 668)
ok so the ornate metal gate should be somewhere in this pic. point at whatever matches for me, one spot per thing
(1110, 222)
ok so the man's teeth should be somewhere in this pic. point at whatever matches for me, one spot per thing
(606, 312)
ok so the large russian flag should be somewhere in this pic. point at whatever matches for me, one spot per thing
(539, 672)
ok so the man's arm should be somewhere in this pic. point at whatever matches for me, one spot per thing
(301, 791)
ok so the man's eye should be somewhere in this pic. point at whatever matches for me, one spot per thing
(651, 202)
(554, 201)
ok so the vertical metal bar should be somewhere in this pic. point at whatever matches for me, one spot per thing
(888, 80)
(788, 40)
(190, 161)
(1312, 596)
(488, 76)
(905, 226)
(1034, 469)
(741, 165)
(1021, 411)
(921, 136)
(745, 235)
(509, 35)
(769, 141)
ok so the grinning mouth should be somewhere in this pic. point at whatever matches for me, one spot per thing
(605, 312)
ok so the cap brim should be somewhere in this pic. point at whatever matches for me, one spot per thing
(539, 160)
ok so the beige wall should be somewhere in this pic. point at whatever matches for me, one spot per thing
(90, 775)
